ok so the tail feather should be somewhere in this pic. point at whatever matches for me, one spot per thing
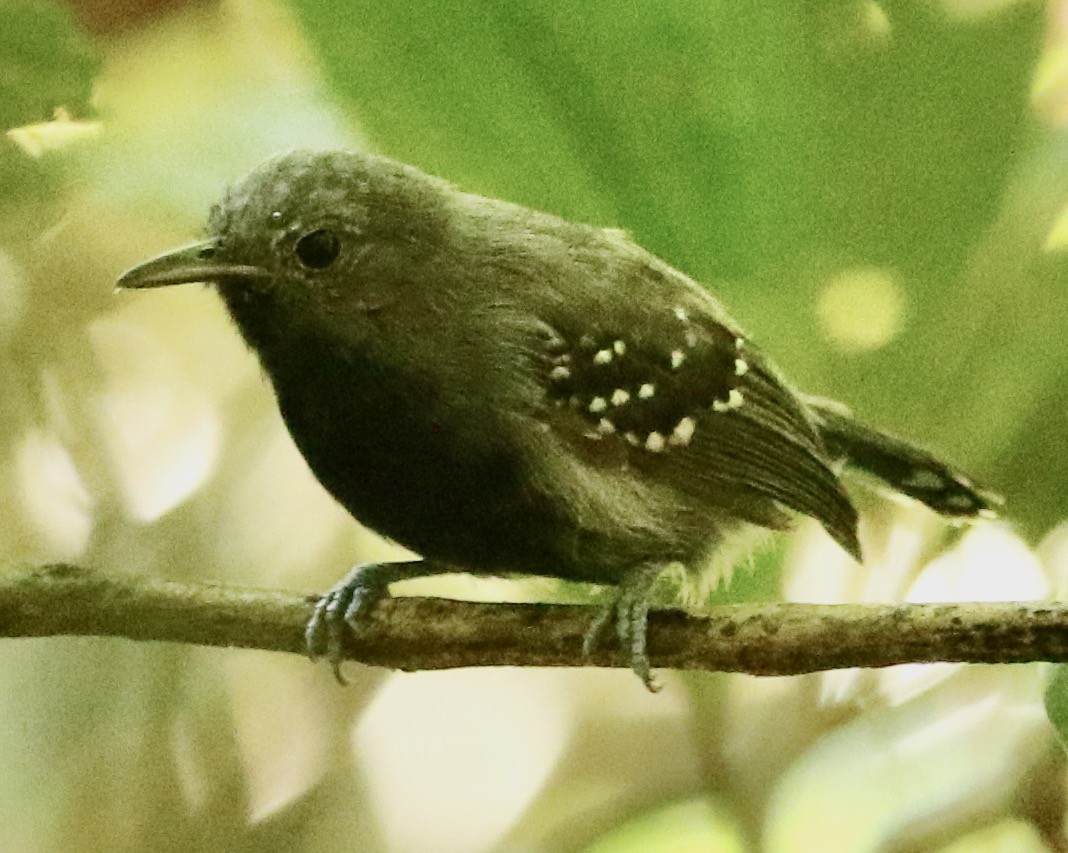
(902, 466)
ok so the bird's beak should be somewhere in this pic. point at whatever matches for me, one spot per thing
(189, 264)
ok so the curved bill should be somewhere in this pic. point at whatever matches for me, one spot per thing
(186, 265)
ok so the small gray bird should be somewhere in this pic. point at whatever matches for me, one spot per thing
(506, 392)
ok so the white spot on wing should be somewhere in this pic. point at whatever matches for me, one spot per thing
(619, 347)
(558, 373)
(619, 397)
(606, 427)
(603, 356)
(683, 432)
(741, 367)
(598, 404)
(677, 358)
(646, 391)
(924, 478)
(655, 442)
(680, 312)
(734, 401)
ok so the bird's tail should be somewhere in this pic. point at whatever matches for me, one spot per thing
(902, 466)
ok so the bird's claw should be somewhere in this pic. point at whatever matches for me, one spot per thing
(338, 612)
(629, 605)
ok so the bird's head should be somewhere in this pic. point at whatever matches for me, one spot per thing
(308, 234)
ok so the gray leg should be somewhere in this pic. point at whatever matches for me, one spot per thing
(340, 609)
(630, 606)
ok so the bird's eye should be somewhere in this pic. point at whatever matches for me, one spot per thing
(318, 249)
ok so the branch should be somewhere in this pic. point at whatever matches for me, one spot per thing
(429, 633)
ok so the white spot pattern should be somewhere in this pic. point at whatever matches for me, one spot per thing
(615, 379)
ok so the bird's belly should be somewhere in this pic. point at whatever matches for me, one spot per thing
(426, 487)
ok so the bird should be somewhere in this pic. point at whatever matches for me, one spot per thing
(506, 392)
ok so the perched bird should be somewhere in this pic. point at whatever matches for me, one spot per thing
(506, 392)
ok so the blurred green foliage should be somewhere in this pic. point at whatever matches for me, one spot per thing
(46, 62)
(1057, 701)
(726, 136)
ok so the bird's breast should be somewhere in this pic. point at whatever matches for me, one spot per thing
(413, 466)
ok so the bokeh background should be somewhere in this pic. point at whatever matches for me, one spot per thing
(878, 191)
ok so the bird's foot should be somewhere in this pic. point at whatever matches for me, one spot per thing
(341, 608)
(629, 605)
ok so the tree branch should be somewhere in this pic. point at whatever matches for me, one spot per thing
(428, 633)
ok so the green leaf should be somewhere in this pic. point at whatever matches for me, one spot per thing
(688, 123)
(725, 135)
(46, 62)
(29, 188)
(1057, 702)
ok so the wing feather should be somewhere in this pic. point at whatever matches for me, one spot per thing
(686, 400)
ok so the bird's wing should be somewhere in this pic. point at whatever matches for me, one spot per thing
(679, 395)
